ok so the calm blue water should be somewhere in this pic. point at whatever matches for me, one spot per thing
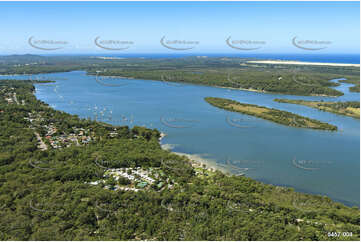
(329, 161)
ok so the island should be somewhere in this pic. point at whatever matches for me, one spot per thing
(351, 108)
(67, 178)
(271, 114)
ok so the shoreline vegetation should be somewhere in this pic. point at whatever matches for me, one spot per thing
(68, 191)
(237, 73)
(271, 114)
(330, 92)
(250, 79)
(351, 109)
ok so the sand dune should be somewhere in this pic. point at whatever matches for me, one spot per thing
(301, 63)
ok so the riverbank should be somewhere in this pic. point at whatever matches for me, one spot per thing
(198, 161)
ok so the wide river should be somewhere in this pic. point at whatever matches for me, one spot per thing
(311, 161)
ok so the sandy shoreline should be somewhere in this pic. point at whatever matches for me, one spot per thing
(197, 160)
(283, 62)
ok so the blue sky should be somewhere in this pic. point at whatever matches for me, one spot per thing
(208, 23)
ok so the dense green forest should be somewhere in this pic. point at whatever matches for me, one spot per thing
(350, 108)
(47, 195)
(214, 71)
(274, 115)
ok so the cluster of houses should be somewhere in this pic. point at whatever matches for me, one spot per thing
(62, 140)
(139, 178)
(33, 117)
(9, 100)
(66, 140)
(28, 64)
(143, 174)
(78, 136)
(121, 173)
(10, 97)
(134, 175)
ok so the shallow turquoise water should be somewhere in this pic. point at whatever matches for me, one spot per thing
(312, 161)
